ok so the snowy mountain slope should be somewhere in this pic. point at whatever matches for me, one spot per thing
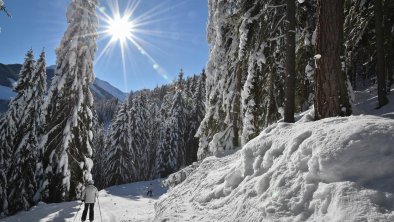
(6, 93)
(118, 203)
(101, 84)
(336, 169)
(101, 90)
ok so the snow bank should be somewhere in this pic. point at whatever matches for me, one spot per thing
(336, 169)
(179, 176)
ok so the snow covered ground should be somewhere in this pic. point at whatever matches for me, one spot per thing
(336, 169)
(118, 203)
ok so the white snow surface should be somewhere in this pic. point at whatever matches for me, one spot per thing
(126, 202)
(335, 169)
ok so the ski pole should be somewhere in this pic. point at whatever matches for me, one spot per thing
(101, 218)
(78, 211)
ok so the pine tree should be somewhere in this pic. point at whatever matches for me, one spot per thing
(26, 155)
(171, 150)
(195, 116)
(12, 131)
(119, 166)
(68, 138)
(380, 63)
(99, 145)
(139, 129)
(331, 91)
(290, 63)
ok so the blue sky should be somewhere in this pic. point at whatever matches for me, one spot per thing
(174, 38)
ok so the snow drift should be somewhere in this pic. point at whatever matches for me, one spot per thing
(336, 169)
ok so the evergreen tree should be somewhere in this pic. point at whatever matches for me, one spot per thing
(290, 63)
(12, 132)
(99, 145)
(195, 116)
(26, 155)
(68, 139)
(139, 129)
(331, 91)
(171, 150)
(119, 165)
(380, 61)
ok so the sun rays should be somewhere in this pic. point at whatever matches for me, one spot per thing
(125, 30)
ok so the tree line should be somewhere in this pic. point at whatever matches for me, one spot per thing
(152, 133)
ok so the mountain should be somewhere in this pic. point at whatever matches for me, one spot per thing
(101, 90)
(105, 90)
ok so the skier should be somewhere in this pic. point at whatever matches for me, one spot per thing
(150, 189)
(89, 195)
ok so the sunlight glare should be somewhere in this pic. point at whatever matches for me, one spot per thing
(120, 28)
(127, 30)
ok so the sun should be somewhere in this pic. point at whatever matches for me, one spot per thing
(120, 28)
(130, 31)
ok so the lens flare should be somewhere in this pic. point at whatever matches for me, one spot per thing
(120, 29)
(126, 30)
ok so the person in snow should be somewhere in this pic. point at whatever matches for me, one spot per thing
(89, 195)
(150, 189)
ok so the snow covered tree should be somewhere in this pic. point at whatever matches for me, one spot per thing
(171, 150)
(68, 139)
(331, 91)
(11, 131)
(244, 84)
(99, 145)
(139, 130)
(195, 116)
(217, 130)
(25, 158)
(119, 165)
(19, 130)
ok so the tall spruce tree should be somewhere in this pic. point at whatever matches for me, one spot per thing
(99, 145)
(139, 130)
(171, 150)
(331, 91)
(68, 139)
(195, 116)
(25, 158)
(119, 165)
(12, 132)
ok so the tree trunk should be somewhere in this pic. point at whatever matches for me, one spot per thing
(237, 106)
(380, 69)
(388, 11)
(331, 91)
(290, 63)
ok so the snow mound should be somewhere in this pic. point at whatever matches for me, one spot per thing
(336, 169)
(179, 176)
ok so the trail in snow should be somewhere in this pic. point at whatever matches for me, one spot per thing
(126, 203)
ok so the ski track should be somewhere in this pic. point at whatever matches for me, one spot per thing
(122, 203)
